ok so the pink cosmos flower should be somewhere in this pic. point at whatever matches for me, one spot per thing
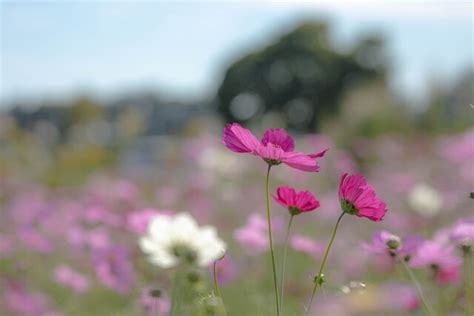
(439, 256)
(19, 301)
(275, 148)
(385, 243)
(114, 269)
(463, 233)
(253, 236)
(306, 245)
(295, 202)
(66, 276)
(400, 297)
(358, 198)
(34, 240)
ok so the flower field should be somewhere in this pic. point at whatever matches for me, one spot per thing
(188, 234)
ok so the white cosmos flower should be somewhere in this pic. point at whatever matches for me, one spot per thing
(173, 239)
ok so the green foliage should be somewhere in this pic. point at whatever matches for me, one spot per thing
(301, 76)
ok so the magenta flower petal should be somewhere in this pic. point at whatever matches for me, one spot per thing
(300, 161)
(275, 148)
(295, 202)
(239, 139)
(271, 153)
(359, 198)
(320, 154)
(278, 137)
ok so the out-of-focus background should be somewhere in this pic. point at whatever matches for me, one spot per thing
(110, 108)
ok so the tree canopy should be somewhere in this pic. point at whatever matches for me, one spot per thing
(301, 76)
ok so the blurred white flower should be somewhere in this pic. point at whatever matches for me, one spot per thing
(172, 240)
(425, 200)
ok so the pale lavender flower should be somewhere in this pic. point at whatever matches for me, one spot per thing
(19, 301)
(113, 268)
(463, 232)
(67, 277)
(439, 256)
(306, 245)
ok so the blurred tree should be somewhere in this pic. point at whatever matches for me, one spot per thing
(301, 76)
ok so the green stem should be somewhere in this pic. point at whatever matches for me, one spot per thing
(318, 278)
(271, 239)
(218, 290)
(174, 310)
(468, 281)
(415, 281)
(282, 279)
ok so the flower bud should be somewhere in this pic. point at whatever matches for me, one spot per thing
(394, 242)
(320, 279)
(155, 292)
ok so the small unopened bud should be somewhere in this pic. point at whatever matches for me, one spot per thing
(466, 249)
(394, 242)
(320, 279)
(155, 292)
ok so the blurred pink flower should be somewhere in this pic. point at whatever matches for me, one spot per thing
(137, 221)
(276, 147)
(410, 246)
(295, 202)
(113, 268)
(357, 197)
(439, 256)
(382, 240)
(463, 232)
(154, 306)
(399, 297)
(102, 215)
(98, 238)
(306, 245)
(19, 301)
(225, 270)
(34, 240)
(253, 236)
(458, 149)
(66, 276)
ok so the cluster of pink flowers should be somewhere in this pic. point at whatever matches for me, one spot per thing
(90, 232)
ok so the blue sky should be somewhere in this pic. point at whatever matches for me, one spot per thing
(56, 49)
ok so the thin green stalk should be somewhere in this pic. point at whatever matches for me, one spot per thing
(468, 282)
(318, 277)
(415, 281)
(283, 266)
(174, 310)
(271, 239)
(218, 290)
